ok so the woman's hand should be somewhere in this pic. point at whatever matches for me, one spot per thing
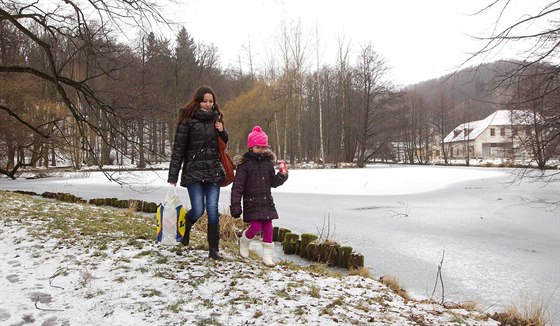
(218, 125)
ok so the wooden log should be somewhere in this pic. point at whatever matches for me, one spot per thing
(289, 243)
(281, 233)
(306, 239)
(330, 254)
(311, 252)
(344, 256)
(355, 261)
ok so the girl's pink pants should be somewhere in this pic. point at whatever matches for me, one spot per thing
(258, 226)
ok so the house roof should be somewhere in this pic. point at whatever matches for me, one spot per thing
(498, 118)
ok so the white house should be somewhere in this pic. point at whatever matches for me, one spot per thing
(501, 135)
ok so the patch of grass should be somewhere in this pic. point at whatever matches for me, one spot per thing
(196, 282)
(136, 243)
(76, 221)
(318, 268)
(362, 271)
(258, 314)
(132, 208)
(315, 292)
(123, 268)
(176, 306)
(362, 306)
(327, 311)
(122, 260)
(379, 300)
(143, 253)
(207, 303)
(242, 298)
(338, 301)
(393, 283)
(457, 320)
(292, 285)
(469, 306)
(300, 310)
(526, 311)
(230, 227)
(282, 294)
(142, 269)
(164, 274)
(146, 293)
(99, 254)
(288, 265)
(94, 294)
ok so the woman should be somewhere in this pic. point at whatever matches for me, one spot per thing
(196, 149)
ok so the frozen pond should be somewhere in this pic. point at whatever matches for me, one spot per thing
(501, 241)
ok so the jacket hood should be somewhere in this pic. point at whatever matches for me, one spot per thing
(242, 158)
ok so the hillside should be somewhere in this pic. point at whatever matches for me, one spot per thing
(472, 91)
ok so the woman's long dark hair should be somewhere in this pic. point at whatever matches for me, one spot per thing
(188, 110)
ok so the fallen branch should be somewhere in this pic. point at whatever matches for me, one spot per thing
(60, 271)
(44, 309)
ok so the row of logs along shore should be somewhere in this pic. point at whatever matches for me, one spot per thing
(307, 246)
(141, 206)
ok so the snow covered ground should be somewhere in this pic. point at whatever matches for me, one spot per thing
(65, 265)
(500, 237)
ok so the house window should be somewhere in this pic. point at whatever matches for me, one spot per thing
(492, 132)
(502, 131)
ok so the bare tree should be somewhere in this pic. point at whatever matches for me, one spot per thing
(532, 80)
(293, 48)
(441, 122)
(61, 34)
(539, 113)
(319, 98)
(373, 93)
(343, 90)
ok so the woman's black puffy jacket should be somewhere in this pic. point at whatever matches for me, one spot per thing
(196, 149)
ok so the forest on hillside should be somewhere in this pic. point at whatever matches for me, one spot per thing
(73, 94)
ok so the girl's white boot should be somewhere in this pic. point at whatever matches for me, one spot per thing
(268, 252)
(244, 243)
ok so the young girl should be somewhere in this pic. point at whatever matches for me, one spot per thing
(254, 178)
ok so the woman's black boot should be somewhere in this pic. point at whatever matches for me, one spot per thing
(187, 237)
(214, 241)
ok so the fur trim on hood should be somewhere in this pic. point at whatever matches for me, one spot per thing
(240, 158)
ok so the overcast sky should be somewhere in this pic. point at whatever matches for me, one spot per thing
(419, 40)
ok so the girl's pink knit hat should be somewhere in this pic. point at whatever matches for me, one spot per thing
(257, 137)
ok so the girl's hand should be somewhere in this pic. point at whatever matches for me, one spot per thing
(218, 125)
